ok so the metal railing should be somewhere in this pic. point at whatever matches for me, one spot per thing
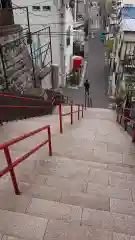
(70, 113)
(20, 97)
(123, 117)
(5, 146)
(12, 164)
(29, 51)
(14, 107)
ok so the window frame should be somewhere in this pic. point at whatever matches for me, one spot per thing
(46, 10)
(36, 10)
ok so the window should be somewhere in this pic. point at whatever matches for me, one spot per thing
(46, 8)
(36, 8)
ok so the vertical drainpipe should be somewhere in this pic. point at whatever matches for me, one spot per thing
(75, 10)
(62, 42)
(31, 51)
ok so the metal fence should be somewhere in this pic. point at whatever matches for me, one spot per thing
(25, 59)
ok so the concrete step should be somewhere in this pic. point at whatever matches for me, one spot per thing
(70, 181)
(39, 228)
(64, 171)
(16, 128)
(43, 219)
(22, 225)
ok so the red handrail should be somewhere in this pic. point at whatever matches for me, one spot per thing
(19, 106)
(12, 165)
(27, 106)
(126, 120)
(20, 97)
(69, 113)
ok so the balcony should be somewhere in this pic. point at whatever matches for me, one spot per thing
(129, 63)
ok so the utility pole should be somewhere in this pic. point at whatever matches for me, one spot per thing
(75, 10)
(30, 44)
(86, 9)
(62, 42)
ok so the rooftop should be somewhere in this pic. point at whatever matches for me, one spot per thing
(128, 11)
(123, 2)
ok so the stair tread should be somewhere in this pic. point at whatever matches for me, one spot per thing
(22, 225)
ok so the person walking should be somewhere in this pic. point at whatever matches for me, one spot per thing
(87, 87)
(88, 100)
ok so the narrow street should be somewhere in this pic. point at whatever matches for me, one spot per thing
(96, 72)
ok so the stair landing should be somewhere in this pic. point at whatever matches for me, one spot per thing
(86, 190)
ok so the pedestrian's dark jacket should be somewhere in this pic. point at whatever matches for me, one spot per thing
(87, 86)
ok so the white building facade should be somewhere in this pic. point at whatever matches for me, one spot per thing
(124, 45)
(46, 13)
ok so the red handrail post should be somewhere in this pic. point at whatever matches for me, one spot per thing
(11, 170)
(78, 111)
(133, 139)
(85, 102)
(60, 118)
(71, 113)
(125, 124)
(82, 110)
(49, 141)
(120, 119)
(117, 117)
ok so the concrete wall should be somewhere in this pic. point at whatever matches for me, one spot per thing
(129, 37)
(18, 64)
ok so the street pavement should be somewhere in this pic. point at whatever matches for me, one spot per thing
(96, 72)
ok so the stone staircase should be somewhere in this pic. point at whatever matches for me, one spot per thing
(84, 191)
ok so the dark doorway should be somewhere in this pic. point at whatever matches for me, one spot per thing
(6, 4)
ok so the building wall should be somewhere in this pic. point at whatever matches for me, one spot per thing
(40, 18)
(124, 44)
(6, 14)
(129, 37)
(81, 8)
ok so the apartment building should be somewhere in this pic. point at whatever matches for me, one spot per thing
(122, 64)
(44, 13)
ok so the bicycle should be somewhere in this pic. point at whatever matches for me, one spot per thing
(88, 100)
